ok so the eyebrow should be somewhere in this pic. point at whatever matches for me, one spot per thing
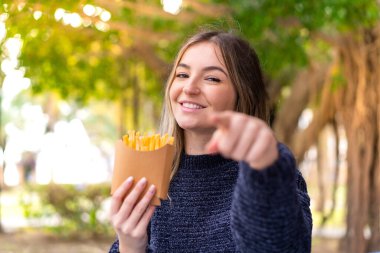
(208, 68)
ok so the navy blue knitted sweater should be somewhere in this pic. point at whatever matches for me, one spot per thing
(220, 205)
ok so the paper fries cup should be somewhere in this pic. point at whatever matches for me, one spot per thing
(154, 165)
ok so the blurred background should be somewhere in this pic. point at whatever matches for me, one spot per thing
(76, 75)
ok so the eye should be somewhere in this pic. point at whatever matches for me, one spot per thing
(213, 79)
(181, 75)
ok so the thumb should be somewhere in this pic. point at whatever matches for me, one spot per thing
(212, 145)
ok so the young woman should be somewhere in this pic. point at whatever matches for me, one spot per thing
(234, 188)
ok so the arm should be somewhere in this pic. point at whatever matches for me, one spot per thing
(270, 209)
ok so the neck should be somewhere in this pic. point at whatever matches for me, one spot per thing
(195, 142)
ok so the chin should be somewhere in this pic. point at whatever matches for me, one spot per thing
(187, 125)
(196, 128)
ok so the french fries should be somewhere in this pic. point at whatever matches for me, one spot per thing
(146, 142)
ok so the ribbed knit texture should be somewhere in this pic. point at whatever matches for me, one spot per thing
(219, 205)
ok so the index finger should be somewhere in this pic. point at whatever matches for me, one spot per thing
(119, 195)
(221, 119)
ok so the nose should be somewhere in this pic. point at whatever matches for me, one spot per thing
(191, 88)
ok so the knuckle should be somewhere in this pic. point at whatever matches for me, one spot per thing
(243, 117)
(117, 197)
(114, 224)
(117, 225)
(129, 202)
(137, 235)
(126, 230)
(252, 126)
(224, 147)
(237, 156)
(141, 207)
(240, 119)
(266, 135)
(252, 154)
(228, 113)
(148, 196)
(237, 153)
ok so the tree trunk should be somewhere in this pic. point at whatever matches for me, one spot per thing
(304, 139)
(307, 84)
(321, 169)
(357, 102)
(374, 200)
(329, 214)
(360, 59)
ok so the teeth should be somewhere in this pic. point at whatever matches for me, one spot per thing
(191, 106)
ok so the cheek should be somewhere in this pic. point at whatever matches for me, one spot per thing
(233, 101)
(232, 96)
(228, 102)
(172, 94)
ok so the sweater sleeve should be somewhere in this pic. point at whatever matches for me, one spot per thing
(114, 247)
(270, 208)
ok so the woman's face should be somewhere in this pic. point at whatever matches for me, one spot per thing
(200, 86)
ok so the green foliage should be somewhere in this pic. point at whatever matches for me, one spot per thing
(77, 63)
(78, 208)
(60, 58)
(282, 32)
(86, 63)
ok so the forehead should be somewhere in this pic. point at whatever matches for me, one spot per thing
(203, 53)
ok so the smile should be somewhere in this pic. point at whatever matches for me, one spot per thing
(192, 106)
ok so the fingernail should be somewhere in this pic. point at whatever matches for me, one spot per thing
(143, 181)
(129, 180)
(152, 189)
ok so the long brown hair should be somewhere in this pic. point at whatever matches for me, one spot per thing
(244, 71)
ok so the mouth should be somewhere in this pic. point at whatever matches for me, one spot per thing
(191, 105)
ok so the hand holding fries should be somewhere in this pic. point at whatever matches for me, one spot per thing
(130, 214)
(243, 138)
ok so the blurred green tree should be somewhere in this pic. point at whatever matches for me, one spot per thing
(103, 50)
